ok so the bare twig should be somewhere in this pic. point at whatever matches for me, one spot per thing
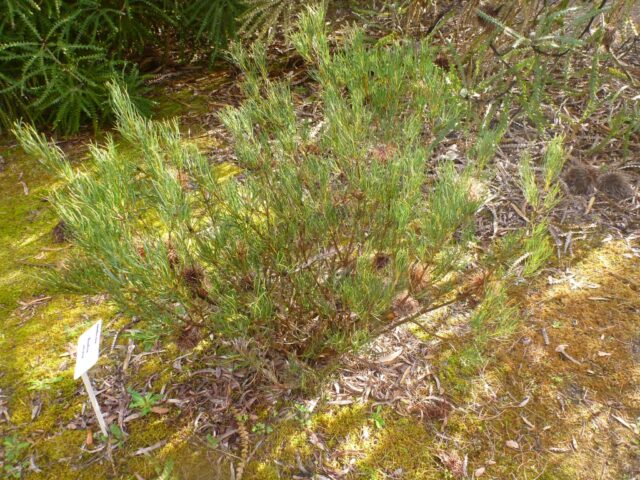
(561, 350)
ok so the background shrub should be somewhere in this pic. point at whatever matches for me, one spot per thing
(525, 51)
(57, 56)
(334, 231)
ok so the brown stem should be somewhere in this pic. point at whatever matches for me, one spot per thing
(411, 317)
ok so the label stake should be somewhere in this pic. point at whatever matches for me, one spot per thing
(87, 355)
(94, 403)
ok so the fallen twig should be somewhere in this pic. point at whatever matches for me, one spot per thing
(561, 350)
(147, 450)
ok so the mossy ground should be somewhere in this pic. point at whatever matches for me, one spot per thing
(38, 330)
(559, 412)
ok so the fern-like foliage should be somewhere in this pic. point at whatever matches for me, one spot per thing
(56, 58)
(61, 84)
(213, 22)
(120, 25)
(261, 16)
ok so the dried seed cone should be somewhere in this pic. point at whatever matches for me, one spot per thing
(578, 180)
(616, 185)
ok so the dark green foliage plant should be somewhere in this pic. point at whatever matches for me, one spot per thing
(13, 455)
(213, 22)
(336, 230)
(58, 56)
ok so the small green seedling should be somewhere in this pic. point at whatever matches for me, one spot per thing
(302, 414)
(116, 432)
(377, 419)
(13, 464)
(44, 384)
(262, 428)
(212, 442)
(145, 402)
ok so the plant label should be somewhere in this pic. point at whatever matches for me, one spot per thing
(86, 357)
(88, 349)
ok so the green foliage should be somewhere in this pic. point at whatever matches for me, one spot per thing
(377, 418)
(262, 428)
(57, 57)
(261, 17)
(553, 162)
(165, 471)
(116, 24)
(495, 317)
(542, 195)
(13, 461)
(212, 442)
(213, 22)
(539, 248)
(116, 433)
(528, 182)
(302, 414)
(148, 338)
(44, 384)
(143, 403)
(312, 249)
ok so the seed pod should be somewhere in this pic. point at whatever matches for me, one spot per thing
(194, 279)
(616, 185)
(578, 180)
(60, 232)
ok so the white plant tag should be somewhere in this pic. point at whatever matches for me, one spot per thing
(86, 357)
(88, 349)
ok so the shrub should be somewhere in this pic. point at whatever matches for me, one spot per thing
(333, 232)
(213, 22)
(58, 56)
(526, 52)
(56, 59)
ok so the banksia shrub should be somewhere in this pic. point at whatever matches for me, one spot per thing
(336, 230)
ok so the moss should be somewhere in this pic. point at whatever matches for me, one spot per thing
(168, 106)
(36, 334)
(339, 425)
(288, 439)
(458, 370)
(24, 223)
(403, 444)
(57, 446)
(263, 471)
(151, 365)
